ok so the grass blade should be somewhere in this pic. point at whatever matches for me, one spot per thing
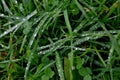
(59, 66)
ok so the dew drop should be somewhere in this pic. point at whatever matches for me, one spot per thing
(73, 67)
(42, 30)
(87, 38)
(34, 35)
(17, 18)
(40, 52)
(5, 32)
(76, 48)
(59, 70)
(16, 2)
(23, 19)
(2, 14)
(26, 68)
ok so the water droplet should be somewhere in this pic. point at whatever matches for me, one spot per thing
(40, 52)
(34, 35)
(5, 32)
(16, 2)
(76, 48)
(58, 46)
(87, 38)
(23, 19)
(73, 67)
(17, 18)
(26, 68)
(2, 15)
(59, 70)
(42, 30)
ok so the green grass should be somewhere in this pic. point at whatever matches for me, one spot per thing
(59, 39)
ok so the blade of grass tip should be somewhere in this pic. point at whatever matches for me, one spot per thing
(59, 66)
(67, 22)
(3, 46)
(100, 56)
(80, 26)
(82, 9)
(18, 25)
(23, 43)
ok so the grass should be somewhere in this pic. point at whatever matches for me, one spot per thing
(59, 39)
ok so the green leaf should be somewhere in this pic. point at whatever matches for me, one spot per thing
(44, 77)
(79, 62)
(2, 65)
(87, 77)
(49, 73)
(84, 71)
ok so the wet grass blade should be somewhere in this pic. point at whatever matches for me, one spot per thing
(59, 66)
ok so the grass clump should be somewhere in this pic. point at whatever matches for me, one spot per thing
(59, 39)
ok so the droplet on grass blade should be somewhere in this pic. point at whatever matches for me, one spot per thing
(16, 2)
(41, 52)
(1, 15)
(42, 30)
(17, 18)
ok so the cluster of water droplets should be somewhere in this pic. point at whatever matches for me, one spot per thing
(52, 49)
(17, 25)
(12, 17)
